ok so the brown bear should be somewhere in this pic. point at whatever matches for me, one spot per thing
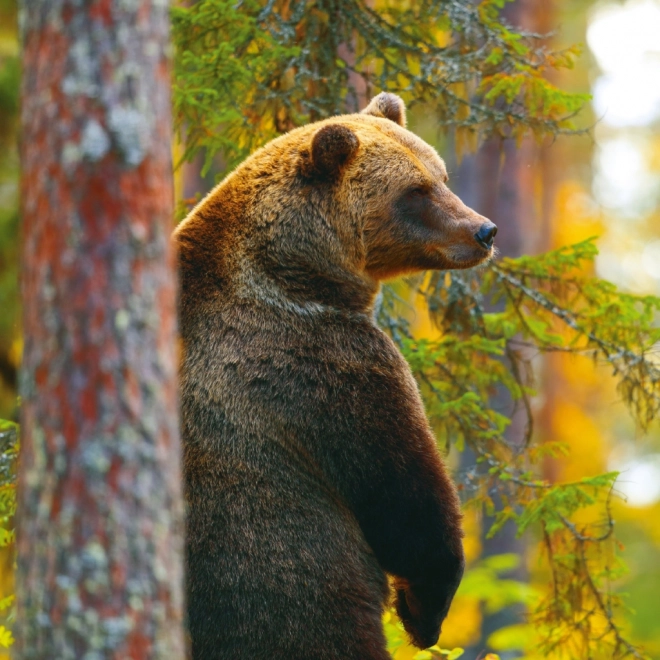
(311, 473)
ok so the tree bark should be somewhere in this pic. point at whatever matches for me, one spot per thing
(509, 184)
(100, 515)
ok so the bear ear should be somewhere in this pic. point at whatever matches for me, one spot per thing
(333, 146)
(389, 106)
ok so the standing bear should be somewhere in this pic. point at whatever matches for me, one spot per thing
(311, 473)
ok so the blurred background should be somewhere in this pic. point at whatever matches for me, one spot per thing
(605, 183)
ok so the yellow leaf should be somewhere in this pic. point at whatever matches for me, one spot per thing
(424, 655)
(6, 638)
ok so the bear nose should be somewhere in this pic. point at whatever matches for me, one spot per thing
(486, 234)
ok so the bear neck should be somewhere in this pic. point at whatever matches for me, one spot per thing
(302, 285)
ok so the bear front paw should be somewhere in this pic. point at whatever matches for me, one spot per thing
(422, 627)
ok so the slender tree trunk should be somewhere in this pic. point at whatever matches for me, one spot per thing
(509, 184)
(100, 510)
(491, 182)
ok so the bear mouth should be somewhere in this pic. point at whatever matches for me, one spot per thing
(465, 258)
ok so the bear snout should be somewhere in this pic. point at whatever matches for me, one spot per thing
(486, 235)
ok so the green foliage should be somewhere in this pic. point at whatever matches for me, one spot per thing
(247, 71)
(226, 64)
(543, 304)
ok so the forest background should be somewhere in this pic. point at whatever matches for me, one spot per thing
(543, 194)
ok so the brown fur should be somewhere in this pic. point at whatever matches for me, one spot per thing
(311, 470)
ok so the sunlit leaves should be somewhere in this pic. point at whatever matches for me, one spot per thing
(396, 638)
(6, 638)
(438, 653)
(491, 327)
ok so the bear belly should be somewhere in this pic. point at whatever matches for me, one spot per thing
(278, 567)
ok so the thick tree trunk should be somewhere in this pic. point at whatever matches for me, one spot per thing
(100, 510)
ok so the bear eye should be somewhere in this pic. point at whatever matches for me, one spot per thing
(418, 191)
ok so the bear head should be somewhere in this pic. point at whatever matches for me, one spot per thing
(324, 213)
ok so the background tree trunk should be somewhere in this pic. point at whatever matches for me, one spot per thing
(100, 510)
(511, 185)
